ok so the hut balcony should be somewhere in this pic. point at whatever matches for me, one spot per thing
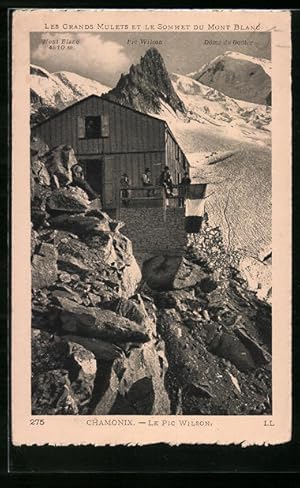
(141, 197)
(155, 196)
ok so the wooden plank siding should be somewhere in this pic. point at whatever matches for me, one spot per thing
(134, 164)
(129, 131)
(175, 158)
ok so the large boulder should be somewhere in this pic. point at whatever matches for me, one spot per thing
(59, 162)
(68, 200)
(135, 384)
(44, 267)
(171, 272)
(101, 324)
(81, 225)
(103, 351)
(141, 389)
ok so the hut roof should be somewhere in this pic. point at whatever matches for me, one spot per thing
(114, 103)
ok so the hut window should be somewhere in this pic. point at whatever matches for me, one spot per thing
(176, 152)
(93, 127)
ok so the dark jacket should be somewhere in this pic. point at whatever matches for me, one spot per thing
(85, 186)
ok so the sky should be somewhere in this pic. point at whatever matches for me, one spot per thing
(105, 56)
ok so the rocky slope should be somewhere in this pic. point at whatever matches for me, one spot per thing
(147, 86)
(95, 347)
(187, 338)
(52, 92)
(217, 333)
(238, 76)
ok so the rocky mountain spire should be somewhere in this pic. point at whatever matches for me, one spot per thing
(146, 86)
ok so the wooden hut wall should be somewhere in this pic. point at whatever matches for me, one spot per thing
(134, 165)
(175, 158)
(129, 131)
(183, 162)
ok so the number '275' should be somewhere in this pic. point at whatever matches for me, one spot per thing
(37, 422)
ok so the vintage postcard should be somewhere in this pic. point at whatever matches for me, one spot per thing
(151, 219)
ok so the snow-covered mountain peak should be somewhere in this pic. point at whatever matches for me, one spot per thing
(38, 71)
(239, 76)
(51, 92)
(263, 62)
(81, 82)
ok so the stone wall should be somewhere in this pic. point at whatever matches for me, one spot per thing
(155, 231)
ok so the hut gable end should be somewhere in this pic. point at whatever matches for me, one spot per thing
(95, 125)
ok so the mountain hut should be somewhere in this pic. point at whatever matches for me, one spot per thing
(110, 139)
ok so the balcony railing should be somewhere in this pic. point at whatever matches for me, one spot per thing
(134, 196)
(156, 196)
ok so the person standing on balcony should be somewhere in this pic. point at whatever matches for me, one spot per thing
(124, 186)
(146, 182)
(166, 181)
(184, 189)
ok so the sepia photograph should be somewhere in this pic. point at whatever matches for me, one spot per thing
(151, 164)
(151, 223)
